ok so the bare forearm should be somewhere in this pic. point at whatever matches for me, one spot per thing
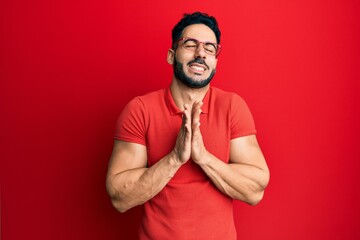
(238, 181)
(136, 186)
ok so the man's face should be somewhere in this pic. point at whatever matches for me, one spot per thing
(195, 68)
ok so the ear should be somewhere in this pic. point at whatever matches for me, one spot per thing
(216, 60)
(170, 56)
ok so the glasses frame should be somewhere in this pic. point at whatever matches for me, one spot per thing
(218, 46)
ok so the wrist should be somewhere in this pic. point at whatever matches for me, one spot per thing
(174, 159)
(204, 159)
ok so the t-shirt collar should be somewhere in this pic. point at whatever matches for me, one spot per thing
(174, 110)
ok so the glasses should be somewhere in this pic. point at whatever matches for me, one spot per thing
(192, 44)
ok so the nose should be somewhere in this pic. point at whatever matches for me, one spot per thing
(200, 51)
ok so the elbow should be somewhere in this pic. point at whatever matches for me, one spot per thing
(255, 195)
(122, 201)
(255, 199)
(124, 204)
(119, 205)
(116, 199)
(252, 197)
(258, 194)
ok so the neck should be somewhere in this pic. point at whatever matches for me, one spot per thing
(183, 94)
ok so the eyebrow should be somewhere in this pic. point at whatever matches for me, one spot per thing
(206, 41)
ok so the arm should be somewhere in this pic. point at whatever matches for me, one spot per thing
(130, 182)
(247, 174)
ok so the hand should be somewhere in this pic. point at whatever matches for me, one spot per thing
(198, 150)
(182, 148)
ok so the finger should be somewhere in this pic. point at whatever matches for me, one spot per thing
(196, 129)
(196, 108)
(185, 114)
(196, 111)
(186, 122)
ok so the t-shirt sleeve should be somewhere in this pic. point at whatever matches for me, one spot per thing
(130, 126)
(241, 121)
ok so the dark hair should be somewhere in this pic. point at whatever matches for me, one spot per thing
(195, 18)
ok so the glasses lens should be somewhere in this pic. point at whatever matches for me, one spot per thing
(192, 44)
(210, 48)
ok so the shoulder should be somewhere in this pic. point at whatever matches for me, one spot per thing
(236, 110)
(220, 96)
(147, 99)
(152, 96)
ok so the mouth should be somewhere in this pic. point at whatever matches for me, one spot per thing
(197, 68)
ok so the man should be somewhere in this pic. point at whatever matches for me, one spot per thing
(187, 151)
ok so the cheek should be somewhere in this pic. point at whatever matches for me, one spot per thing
(181, 59)
(212, 64)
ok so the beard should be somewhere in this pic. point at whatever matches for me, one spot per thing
(188, 81)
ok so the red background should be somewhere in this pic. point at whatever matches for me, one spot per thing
(69, 67)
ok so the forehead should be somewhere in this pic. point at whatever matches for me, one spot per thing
(200, 32)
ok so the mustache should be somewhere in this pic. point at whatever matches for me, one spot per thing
(199, 61)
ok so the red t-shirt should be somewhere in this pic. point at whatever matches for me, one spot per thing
(190, 206)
